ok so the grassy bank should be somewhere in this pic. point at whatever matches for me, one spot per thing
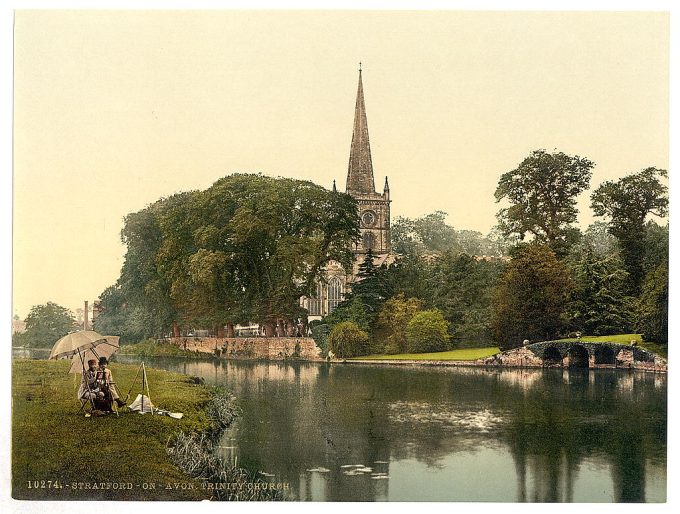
(465, 354)
(152, 348)
(625, 339)
(52, 441)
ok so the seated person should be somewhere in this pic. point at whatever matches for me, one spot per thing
(104, 381)
(88, 389)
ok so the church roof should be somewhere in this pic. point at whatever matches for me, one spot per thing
(360, 170)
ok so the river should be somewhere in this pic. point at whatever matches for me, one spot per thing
(444, 434)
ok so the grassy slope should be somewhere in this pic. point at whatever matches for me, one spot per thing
(465, 354)
(52, 441)
(626, 339)
(477, 353)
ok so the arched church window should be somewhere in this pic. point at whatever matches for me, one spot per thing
(334, 294)
(316, 302)
(369, 241)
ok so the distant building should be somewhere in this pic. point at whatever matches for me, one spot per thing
(374, 212)
(18, 326)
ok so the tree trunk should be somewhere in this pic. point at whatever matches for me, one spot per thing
(290, 326)
(230, 330)
(268, 328)
(220, 331)
(280, 330)
(175, 329)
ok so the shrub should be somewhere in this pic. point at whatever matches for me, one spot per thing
(427, 331)
(348, 340)
(393, 320)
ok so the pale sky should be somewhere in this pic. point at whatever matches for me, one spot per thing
(114, 109)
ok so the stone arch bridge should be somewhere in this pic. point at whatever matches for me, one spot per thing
(579, 354)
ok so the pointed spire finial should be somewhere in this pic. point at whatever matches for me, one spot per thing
(360, 169)
(335, 189)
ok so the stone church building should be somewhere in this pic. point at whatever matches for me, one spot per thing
(374, 212)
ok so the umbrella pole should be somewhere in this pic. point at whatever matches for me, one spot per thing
(87, 385)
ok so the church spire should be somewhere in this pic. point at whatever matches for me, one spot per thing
(360, 170)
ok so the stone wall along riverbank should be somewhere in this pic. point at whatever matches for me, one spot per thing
(271, 348)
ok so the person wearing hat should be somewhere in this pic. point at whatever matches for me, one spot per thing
(106, 383)
(88, 389)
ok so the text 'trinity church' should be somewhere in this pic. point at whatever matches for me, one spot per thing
(374, 213)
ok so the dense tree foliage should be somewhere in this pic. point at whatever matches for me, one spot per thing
(531, 298)
(652, 308)
(462, 288)
(542, 193)
(45, 325)
(431, 234)
(393, 319)
(348, 340)
(599, 304)
(247, 248)
(427, 331)
(627, 203)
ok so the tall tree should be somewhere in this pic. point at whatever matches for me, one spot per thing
(652, 311)
(393, 319)
(462, 288)
(371, 287)
(245, 249)
(627, 203)
(542, 193)
(531, 297)
(45, 325)
(599, 305)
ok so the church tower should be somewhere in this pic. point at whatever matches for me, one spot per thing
(374, 208)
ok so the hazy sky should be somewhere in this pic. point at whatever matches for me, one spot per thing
(113, 110)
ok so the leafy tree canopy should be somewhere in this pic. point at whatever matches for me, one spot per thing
(247, 248)
(462, 288)
(652, 308)
(45, 325)
(531, 297)
(427, 331)
(627, 203)
(348, 340)
(542, 193)
(393, 319)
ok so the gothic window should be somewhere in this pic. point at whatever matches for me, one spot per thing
(316, 302)
(334, 294)
(369, 241)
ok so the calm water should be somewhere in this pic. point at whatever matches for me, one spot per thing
(445, 434)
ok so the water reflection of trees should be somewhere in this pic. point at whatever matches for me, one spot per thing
(302, 416)
(618, 417)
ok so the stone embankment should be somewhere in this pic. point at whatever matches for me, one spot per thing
(271, 348)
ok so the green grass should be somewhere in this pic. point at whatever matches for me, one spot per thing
(625, 339)
(465, 354)
(51, 440)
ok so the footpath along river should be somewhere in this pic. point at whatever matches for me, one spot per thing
(355, 433)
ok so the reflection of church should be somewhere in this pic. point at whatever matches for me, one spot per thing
(374, 211)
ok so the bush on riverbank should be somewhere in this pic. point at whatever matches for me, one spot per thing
(427, 331)
(153, 348)
(348, 340)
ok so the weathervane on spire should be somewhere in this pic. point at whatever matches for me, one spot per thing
(359, 65)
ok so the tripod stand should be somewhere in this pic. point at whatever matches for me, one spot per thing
(145, 385)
